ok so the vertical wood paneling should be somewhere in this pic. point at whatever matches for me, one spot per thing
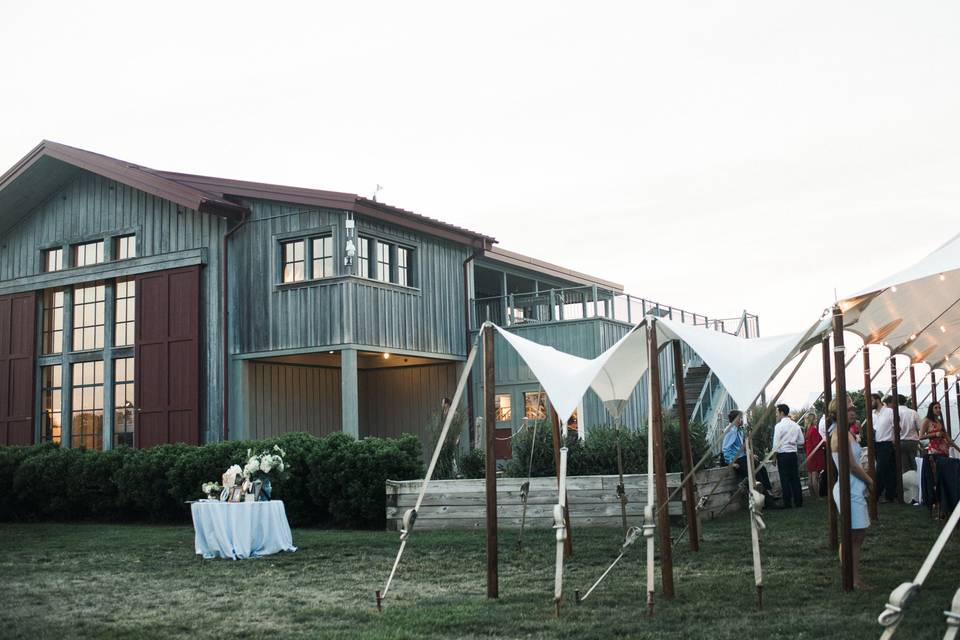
(91, 206)
(288, 398)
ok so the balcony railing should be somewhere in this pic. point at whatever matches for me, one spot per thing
(578, 303)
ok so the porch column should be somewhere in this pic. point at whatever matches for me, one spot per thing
(349, 393)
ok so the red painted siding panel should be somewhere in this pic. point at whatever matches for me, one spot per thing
(168, 357)
(17, 364)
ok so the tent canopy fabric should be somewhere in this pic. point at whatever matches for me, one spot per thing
(915, 311)
(744, 365)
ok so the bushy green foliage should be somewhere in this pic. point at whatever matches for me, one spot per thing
(473, 464)
(334, 481)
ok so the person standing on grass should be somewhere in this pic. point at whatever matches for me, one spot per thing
(886, 456)
(860, 484)
(931, 429)
(909, 436)
(735, 452)
(787, 436)
(816, 453)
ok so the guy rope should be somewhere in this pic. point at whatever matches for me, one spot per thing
(410, 517)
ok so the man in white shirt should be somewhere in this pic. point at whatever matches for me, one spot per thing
(883, 441)
(909, 436)
(787, 436)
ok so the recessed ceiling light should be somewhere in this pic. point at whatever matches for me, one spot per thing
(386, 356)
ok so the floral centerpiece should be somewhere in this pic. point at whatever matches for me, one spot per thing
(212, 490)
(259, 466)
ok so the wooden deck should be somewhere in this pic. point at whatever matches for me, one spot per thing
(460, 504)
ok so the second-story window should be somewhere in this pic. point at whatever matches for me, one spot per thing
(383, 261)
(125, 247)
(403, 267)
(293, 261)
(52, 260)
(363, 255)
(322, 257)
(88, 316)
(88, 253)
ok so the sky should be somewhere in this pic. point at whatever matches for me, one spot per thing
(712, 156)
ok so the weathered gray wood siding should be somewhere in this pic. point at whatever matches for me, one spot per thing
(584, 338)
(91, 207)
(344, 309)
(402, 400)
(283, 398)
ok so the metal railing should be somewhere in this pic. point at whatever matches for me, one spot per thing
(578, 303)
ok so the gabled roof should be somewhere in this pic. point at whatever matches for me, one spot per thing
(225, 187)
(51, 164)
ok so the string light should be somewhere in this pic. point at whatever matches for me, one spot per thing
(942, 277)
(893, 288)
(913, 336)
(943, 329)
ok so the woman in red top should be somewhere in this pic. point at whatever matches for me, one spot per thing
(815, 462)
(932, 427)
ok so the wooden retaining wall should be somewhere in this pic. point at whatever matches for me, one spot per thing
(460, 504)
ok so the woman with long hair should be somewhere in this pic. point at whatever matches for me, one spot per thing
(815, 461)
(931, 429)
(860, 484)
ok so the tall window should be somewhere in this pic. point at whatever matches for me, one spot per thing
(383, 261)
(293, 261)
(504, 411)
(88, 253)
(403, 267)
(125, 247)
(86, 424)
(123, 414)
(53, 321)
(125, 313)
(534, 405)
(53, 260)
(363, 248)
(88, 311)
(322, 257)
(51, 402)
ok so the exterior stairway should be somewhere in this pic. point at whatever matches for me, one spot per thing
(693, 382)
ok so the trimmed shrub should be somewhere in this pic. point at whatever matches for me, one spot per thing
(328, 481)
(473, 464)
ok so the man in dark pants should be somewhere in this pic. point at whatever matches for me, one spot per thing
(787, 436)
(735, 454)
(886, 456)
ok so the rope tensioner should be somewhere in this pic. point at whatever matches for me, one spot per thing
(892, 612)
(953, 618)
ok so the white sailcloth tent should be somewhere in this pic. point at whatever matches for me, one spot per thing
(915, 311)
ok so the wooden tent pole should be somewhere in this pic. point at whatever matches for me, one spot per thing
(896, 427)
(490, 422)
(689, 487)
(946, 407)
(843, 455)
(555, 421)
(933, 389)
(913, 384)
(827, 396)
(868, 427)
(660, 463)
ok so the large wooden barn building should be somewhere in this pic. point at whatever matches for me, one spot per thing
(140, 307)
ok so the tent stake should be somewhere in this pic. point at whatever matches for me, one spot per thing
(489, 431)
(828, 463)
(843, 455)
(379, 605)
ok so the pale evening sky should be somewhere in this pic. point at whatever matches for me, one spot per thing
(713, 156)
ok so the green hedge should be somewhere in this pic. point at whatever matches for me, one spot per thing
(332, 481)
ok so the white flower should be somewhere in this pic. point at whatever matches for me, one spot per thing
(252, 466)
(266, 463)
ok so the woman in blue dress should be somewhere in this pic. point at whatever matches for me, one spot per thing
(860, 484)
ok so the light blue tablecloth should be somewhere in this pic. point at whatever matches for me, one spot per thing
(240, 530)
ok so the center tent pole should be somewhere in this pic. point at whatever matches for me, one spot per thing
(689, 489)
(557, 445)
(957, 386)
(896, 427)
(843, 455)
(660, 462)
(913, 384)
(490, 421)
(933, 389)
(827, 396)
(868, 422)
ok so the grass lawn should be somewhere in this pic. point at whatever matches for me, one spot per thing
(134, 581)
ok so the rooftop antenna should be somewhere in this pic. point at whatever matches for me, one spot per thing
(376, 191)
